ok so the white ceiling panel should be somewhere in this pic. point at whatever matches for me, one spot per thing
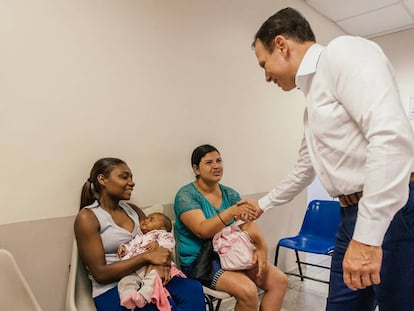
(410, 5)
(367, 18)
(377, 22)
(341, 9)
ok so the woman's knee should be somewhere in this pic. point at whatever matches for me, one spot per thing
(246, 293)
(249, 291)
(282, 279)
(276, 279)
(246, 296)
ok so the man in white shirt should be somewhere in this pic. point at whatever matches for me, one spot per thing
(360, 144)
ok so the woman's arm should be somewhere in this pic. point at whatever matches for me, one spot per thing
(254, 232)
(92, 252)
(204, 228)
(256, 235)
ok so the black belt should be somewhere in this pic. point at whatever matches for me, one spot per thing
(353, 198)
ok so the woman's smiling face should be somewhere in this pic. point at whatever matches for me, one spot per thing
(119, 183)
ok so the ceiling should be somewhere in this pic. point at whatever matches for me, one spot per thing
(367, 18)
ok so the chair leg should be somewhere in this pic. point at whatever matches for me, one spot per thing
(218, 305)
(209, 302)
(299, 266)
(276, 254)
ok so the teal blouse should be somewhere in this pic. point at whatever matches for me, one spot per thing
(189, 198)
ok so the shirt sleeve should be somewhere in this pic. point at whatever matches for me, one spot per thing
(296, 181)
(363, 81)
(186, 200)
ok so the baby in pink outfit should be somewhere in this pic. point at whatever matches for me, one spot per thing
(235, 248)
(139, 288)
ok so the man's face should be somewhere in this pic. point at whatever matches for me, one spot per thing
(276, 66)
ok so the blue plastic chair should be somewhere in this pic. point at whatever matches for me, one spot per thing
(317, 235)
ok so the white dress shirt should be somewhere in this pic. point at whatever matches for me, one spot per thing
(357, 135)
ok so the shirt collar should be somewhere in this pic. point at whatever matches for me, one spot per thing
(308, 65)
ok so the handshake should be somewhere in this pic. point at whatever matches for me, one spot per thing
(247, 210)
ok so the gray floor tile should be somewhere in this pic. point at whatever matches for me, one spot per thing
(304, 295)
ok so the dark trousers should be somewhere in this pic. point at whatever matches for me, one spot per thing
(396, 290)
(186, 295)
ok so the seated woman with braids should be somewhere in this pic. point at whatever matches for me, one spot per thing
(104, 222)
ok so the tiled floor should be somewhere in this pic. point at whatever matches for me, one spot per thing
(302, 296)
(308, 295)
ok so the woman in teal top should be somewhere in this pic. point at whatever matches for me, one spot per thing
(188, 198)
(203, 208)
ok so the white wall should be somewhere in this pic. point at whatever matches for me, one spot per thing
(145, 81)
(399, 48)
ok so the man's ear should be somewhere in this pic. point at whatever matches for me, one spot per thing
(280, 44)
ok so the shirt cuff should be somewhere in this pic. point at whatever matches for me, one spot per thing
(370, 232)
(265, 203)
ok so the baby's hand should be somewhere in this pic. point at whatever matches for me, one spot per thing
(152, 245)
(121, 251)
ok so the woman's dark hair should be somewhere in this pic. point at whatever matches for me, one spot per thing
(200, 152)
(91, 188)
(287, 22)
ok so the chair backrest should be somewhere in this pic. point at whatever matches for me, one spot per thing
(321, 219)
(15, 293)
(79, 292)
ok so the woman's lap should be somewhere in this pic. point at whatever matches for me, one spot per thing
(110, 301)
(186, 294)
(231, 281)
(236, 283)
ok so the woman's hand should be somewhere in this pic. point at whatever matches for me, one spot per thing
(152, 245)
(252, 206)
(160, 256)
(163, 272)
(244, 211)
(260, 258)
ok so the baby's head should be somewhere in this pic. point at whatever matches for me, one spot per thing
(156, 221)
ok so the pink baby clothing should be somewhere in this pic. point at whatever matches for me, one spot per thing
(138, 244)
(139, 288)
(235, 248)
(152, 290)
(160, 294)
